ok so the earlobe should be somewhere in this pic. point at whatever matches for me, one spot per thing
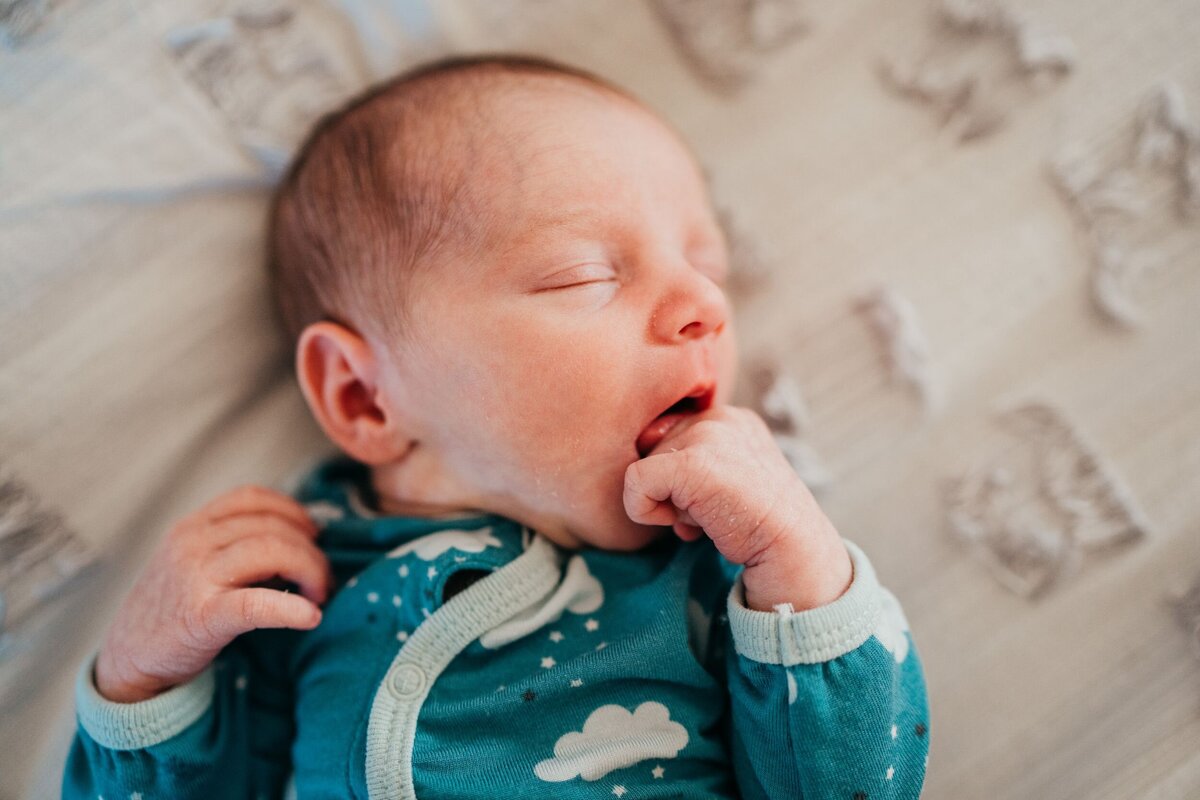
(338, 374)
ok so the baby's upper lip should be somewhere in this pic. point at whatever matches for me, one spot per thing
(703, 390)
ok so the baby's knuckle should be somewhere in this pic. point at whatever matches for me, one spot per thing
(268, 545)
(252, 608)
(183, 530)
(200, 624)
(696, 468)
(177, 553)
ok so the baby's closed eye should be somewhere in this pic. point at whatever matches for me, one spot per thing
(581, 275)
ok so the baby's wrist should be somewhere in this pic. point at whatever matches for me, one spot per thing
(118, 688)
(805, 574)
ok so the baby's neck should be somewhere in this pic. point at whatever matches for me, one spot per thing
(399, 507)
(388, 502)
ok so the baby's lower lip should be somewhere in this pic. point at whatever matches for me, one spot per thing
(656, 431)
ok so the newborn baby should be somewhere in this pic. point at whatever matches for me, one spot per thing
(551, 559)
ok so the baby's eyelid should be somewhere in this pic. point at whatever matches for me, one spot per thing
(580, 275)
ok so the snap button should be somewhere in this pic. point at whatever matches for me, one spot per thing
(406, 681)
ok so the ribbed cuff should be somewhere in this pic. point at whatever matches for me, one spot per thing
(788, 637)
(132, 726)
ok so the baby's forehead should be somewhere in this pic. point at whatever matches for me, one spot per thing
(536, 146)
(525, 170)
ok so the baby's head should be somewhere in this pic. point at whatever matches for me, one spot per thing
(498, 272)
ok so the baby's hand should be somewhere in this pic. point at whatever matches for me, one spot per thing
(196, 593)
(719, 473)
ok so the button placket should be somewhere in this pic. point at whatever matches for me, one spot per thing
(406, 681)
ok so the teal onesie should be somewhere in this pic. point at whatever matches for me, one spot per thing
(470, 657)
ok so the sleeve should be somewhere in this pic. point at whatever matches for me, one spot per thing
(825, 703)
(227, 733)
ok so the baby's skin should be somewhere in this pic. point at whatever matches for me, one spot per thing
(549, 349)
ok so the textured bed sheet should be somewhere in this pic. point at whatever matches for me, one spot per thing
(966, 238)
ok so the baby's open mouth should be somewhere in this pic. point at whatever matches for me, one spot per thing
(699, 399)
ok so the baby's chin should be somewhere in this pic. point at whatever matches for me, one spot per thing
(620, 535)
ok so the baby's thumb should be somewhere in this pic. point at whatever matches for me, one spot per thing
(234, 613)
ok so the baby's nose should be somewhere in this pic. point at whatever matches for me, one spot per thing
(693, 307)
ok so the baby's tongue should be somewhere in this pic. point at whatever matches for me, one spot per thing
(656, 431)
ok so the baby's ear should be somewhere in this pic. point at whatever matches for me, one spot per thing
(339, 375)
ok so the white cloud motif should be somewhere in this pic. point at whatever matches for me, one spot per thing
(612, 738)
(892, 626)
(579, 592)
(587, 593)
(324, 512)
(432, 545)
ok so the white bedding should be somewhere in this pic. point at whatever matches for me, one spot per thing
(140, 370)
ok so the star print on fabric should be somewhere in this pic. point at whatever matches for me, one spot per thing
(657, 772)
(396, 600)
(402, 636)
(432, 573)
(135, 796)
(860, 796)
(548, 662)
(240, 683)
(500, 688)
(529, 696)
(920, 729)
(576, 683)
(602, 645)
(350, 584)
(591, 624)
(556, 636)
(619, 790)
(893, 731)
(372, 597)
(403, 570)
(891, 771)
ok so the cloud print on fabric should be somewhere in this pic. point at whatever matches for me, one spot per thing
(891, 627)
(433, 545)
(579, 593)
(613, 738)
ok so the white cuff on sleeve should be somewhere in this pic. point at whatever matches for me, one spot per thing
(790, 637)
(132, 726)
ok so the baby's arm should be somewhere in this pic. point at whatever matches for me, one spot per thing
(828, 698)
(829, 702)
(156, 716)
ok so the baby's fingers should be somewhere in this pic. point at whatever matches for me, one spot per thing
(252, 499)
(261, 557)
(650, 486)
(230, 614)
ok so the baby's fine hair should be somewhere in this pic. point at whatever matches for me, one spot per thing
(380, 187)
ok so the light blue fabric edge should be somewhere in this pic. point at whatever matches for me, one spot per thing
(392, 726)
(145, 723)
(813, 636)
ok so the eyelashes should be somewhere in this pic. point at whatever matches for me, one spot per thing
(584, 274)
(719, 275)
(581, 284)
